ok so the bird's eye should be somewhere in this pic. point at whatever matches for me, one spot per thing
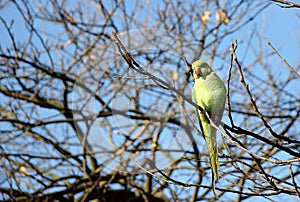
(198, 71)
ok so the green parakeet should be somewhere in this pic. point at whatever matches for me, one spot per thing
(209, 92)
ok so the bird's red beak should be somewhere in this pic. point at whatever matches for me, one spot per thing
(198, 71)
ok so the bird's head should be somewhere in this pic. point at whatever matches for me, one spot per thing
(200, 69)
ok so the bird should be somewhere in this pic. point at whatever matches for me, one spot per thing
(209, 93)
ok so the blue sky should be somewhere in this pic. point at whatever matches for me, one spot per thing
(282, 28)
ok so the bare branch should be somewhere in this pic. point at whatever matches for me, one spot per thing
(282, 58)
(288, 4)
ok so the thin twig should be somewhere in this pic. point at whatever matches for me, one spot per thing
(166, 178)
(282, 58)
(233, 47)
(189, 69)
(288, 4)
(293, 180)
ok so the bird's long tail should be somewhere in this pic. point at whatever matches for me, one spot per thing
(211, 143)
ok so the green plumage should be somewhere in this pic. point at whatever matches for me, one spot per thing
(209, 93)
